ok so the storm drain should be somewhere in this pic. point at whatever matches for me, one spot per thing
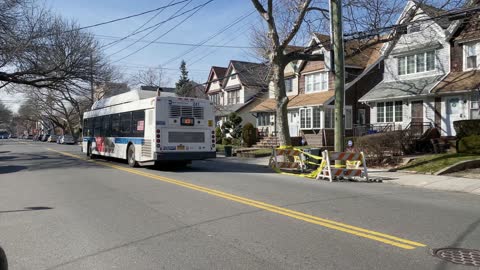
(467, 257)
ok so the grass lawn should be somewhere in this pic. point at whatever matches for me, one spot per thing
(434, 163)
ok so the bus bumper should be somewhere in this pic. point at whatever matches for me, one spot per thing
(184, 155)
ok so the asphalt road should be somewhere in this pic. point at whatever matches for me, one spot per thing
(59, 211)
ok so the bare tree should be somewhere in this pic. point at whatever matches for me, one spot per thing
(151, 77)
(279, 37)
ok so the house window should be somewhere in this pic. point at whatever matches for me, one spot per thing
(233, 76)
(316, 117)
(401, 66)
(289, 85)
(263, 119)
(233, 97)
(215, 99)
(471, 52)
(380, 112)
(388, 112)
(306, 118)
(414, 28)
(416, 63)
(348, 118)
(398, 111)
(316, 82)
(329, 117)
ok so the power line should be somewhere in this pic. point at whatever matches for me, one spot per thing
(223, 44)
(239, 19)
(138, 28)
(127, 17)
(179, 43)
(379, 30)
(155, 25)
(151, 31)
(171, 29)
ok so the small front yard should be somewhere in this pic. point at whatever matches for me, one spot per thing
(436, 162)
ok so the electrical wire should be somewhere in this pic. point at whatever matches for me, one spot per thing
(239, 19)
(171, 29)
(126, 17)
(140, 27)
(151, 31)
(179, 43)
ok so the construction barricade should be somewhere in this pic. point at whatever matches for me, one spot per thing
(355, 166)
(295, 161)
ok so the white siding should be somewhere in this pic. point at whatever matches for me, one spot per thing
(411, 43)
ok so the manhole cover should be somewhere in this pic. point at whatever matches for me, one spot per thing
(469, 257)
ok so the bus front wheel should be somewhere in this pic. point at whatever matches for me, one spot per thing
(90, 151)
(131, 156)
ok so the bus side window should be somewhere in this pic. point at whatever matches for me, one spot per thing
(138, 123)
(115, 125)
(88, 127)
(125, 124)
(107, 126)
(98, 131)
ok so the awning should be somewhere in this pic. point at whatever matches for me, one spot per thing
(314, 99)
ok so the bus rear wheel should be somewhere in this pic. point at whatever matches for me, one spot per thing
(131, 156)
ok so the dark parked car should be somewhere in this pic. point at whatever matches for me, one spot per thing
(45, 137)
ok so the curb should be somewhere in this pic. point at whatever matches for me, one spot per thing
(460, 166)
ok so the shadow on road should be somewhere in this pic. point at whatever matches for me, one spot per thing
(209, 166)
(26, 209)
(11, 169)
(459, 242)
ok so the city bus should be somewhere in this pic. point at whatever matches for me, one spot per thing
(147, 128)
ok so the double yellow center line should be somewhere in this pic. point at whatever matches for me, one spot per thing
(357, 231)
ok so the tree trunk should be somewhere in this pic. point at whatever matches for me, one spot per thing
(281, 121)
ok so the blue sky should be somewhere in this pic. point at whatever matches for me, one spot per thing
(204, 23)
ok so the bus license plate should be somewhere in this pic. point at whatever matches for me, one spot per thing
(184, 121)
(180, 147)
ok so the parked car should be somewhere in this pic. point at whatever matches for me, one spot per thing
(30, 137)
(45, 137)
(13, 136)
(59, 138)
(52, 138)
(67, 139)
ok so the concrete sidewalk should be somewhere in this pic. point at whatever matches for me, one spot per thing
(437, 182)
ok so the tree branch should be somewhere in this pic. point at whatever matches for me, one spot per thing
(297, 24)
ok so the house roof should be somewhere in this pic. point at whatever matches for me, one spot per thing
(401, 88)
(469, 30)
(432, 11)
(296, 101)
(250, 74)
(219, 71)
(359, 53)
(459, 81)
(226, 110)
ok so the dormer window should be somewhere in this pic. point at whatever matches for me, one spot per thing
(233, 76)
(471, 52)
(414, 28)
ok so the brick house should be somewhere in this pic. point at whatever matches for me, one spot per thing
(237, 88)
(310, 89)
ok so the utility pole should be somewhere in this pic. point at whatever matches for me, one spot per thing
(339, 71)
(91, 78)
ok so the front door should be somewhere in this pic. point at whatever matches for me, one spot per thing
(453, 114)
(417, 117)
(293, 123)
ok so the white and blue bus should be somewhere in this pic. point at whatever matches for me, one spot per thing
(146, 129)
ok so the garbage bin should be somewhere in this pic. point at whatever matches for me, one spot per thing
(228, 150)
(315, 152)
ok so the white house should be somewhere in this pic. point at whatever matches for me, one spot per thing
(415, 64)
